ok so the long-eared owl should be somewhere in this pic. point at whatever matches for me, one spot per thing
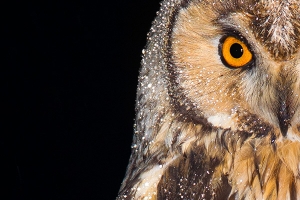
(218, 106)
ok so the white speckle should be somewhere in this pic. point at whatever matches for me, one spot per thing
(222, 120)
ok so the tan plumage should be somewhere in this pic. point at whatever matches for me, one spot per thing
(206, 130)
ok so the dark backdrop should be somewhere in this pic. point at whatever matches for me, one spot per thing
(69, 95)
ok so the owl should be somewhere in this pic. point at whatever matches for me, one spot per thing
(218, 106)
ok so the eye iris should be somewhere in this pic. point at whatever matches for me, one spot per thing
(236, 50)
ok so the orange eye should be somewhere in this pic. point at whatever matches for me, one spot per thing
(235, 53)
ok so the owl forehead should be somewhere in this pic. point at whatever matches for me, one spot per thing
(275, 24)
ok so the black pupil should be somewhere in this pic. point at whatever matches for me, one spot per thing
(236, 50)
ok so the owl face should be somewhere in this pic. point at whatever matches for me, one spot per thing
(238, 66)
(218, 106)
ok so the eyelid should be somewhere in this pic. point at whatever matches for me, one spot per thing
(229, 31)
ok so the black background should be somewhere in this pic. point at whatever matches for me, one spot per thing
(69, 95)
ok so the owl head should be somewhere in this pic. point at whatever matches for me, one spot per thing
(218, 106)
